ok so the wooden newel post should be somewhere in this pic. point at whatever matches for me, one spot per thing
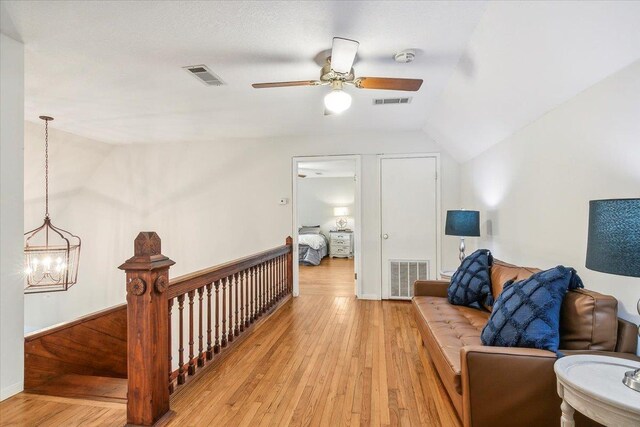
(289, 243)
(147, 334)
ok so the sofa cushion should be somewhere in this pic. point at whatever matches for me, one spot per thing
(588, 321)
(502, 272)
(450, 327)
(527, 313)
(471, 284)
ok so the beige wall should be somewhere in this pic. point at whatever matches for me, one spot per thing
(209, 202)
(533, 189)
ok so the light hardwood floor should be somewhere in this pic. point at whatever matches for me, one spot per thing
(321, 360)
(334, 276)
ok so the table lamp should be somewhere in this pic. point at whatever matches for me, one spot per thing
(613, 247)
(341, 213)
(462, 223)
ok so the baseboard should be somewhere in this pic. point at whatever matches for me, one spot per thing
(374, 297)
(9, 391)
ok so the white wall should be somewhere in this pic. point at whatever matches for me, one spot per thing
(533, 188)
(11, 216)
(209, 202)
(318, 196)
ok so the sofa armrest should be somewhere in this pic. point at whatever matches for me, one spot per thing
(500, 382)
(627, 337)
(430, 288)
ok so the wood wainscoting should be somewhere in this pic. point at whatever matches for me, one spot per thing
(86, 357)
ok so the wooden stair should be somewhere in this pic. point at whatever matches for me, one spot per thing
(85, 387)
(84, 358)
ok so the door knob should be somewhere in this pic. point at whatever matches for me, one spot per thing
(385, 236)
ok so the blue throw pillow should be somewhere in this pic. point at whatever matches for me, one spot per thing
(527, 313)
(471, 283)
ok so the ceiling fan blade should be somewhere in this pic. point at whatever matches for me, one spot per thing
(387, 83)
(286, 84)
(343, 53)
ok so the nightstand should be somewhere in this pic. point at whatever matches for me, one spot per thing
(341, 244)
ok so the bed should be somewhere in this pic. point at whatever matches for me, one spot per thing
(312, 248)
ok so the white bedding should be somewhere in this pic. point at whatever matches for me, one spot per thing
(314, 241)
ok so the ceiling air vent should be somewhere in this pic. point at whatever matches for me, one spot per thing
(386, 101)
(202, 73)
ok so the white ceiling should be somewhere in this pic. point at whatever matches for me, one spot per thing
(111, 70)
(530, 57)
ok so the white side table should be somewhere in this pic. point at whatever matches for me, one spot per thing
(592, 385)
(446, 274)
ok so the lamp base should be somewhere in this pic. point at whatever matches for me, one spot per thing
(461, 255)
(632, 380)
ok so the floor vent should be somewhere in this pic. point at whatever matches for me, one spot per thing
(387, 101)
(402, 275)
(202, 73)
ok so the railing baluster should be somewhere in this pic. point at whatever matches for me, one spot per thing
(284, 275)
(269, 283)
(181, 333)
(192, 367)
(223, 340)
(200, 328)
(236, 329)
(230, 333)
(209, 349)
(279, 293)
(263, 287)
(216, 344)
(247, 289)
(171, 387)
(253, 294)
(273, 282)
(242, 301)
(283, 265)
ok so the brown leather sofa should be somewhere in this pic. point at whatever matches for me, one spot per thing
(501, 386)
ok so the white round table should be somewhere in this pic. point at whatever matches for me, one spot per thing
(592, 385)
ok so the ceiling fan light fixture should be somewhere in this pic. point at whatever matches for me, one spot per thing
(337, 101)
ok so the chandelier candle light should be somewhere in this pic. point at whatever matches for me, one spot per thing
(51, 254)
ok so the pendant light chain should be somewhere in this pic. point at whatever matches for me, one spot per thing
(46, 168)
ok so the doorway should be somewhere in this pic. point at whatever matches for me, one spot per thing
(326, 225)
(410, 218)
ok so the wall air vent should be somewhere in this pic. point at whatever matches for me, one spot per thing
(387, 101)
(202, 73)
(402, 274)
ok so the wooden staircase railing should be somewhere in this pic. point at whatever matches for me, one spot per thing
(221, 304)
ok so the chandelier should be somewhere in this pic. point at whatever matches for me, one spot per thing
(51, 254)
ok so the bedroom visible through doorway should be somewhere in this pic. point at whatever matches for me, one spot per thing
(325, 204)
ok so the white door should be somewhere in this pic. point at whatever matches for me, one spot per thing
(409, 223)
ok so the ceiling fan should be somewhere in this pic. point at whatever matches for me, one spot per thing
(338, 72)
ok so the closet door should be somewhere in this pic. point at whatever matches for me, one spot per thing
(408, 199)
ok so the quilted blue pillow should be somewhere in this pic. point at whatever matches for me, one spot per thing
(527, 313)
(471, 283)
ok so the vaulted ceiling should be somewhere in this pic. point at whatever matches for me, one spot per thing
(112, 70)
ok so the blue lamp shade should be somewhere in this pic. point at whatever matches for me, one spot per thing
(463, 223)
(613, 244)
